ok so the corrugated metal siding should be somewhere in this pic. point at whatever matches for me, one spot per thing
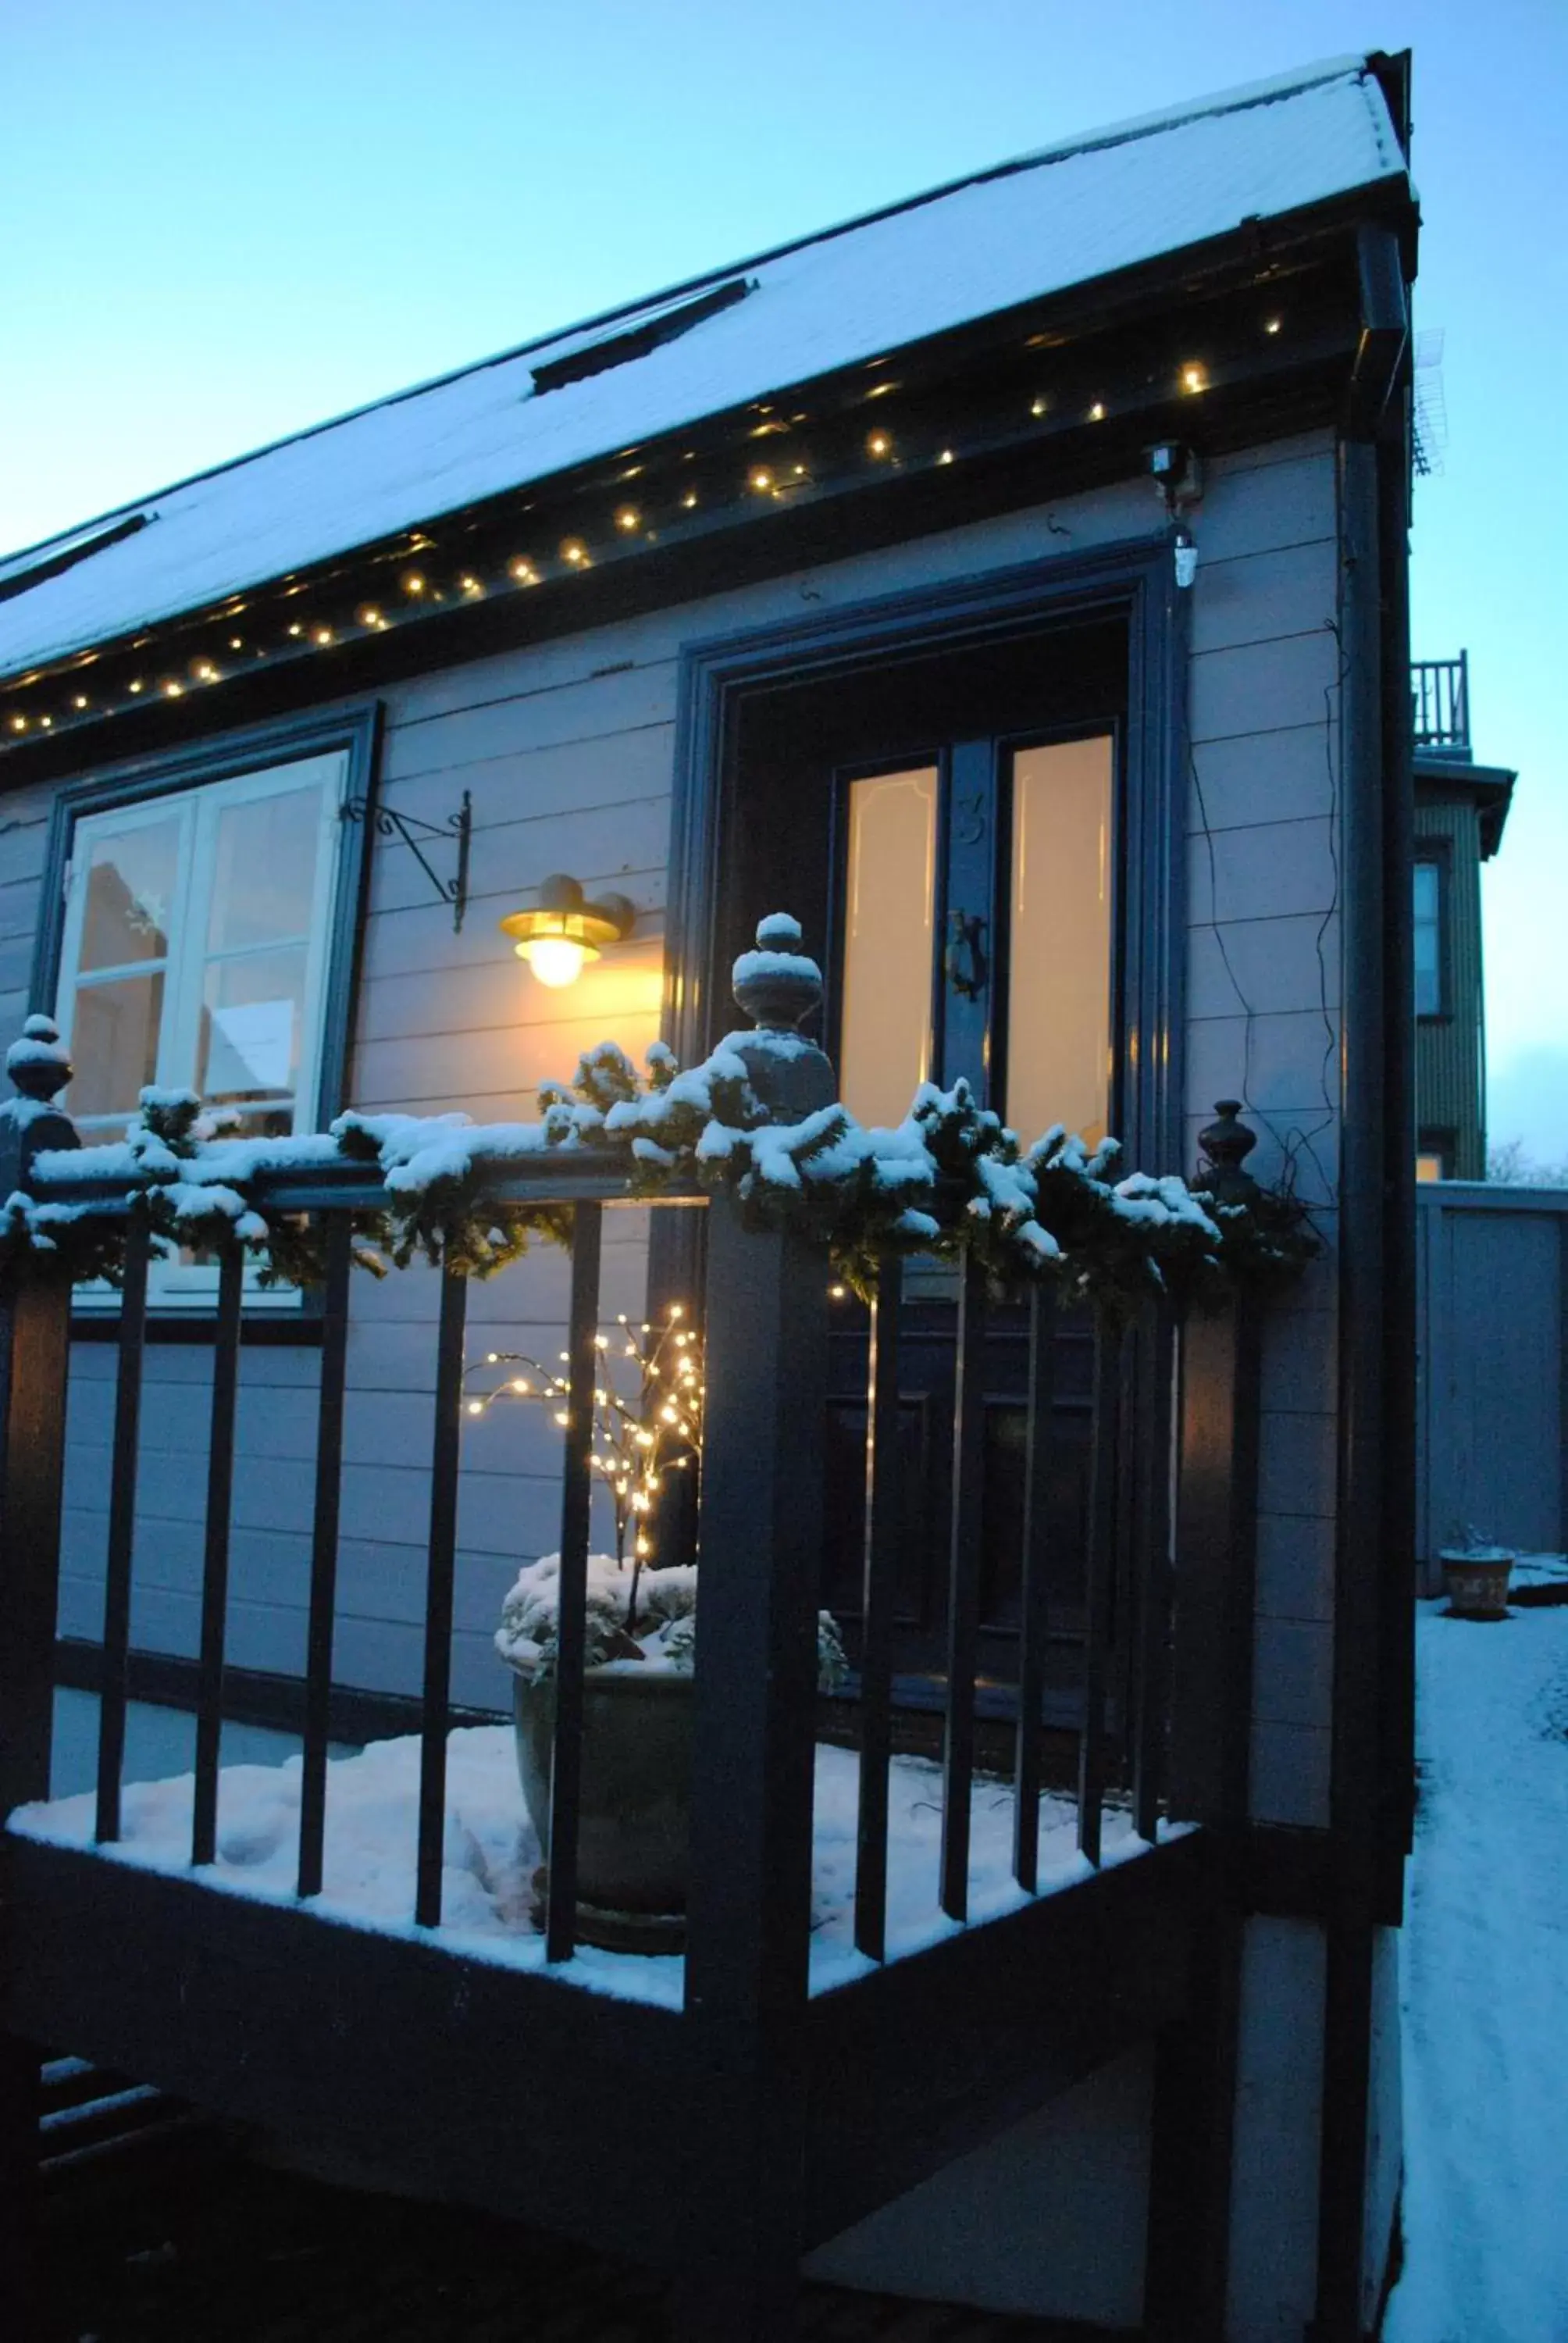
(1448, 1065)
(1493, 1390)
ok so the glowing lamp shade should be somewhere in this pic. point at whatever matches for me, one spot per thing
(555, 960)
(564, 931)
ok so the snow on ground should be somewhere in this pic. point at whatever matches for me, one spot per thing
(372, 1803)
(1485, 1988)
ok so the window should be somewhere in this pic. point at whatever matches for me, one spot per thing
(902, 1016)
(1429, 986)
(205, 938)
(1428, 1166)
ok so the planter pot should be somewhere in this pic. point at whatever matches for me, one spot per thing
(634, 1816)
(1476, 1584)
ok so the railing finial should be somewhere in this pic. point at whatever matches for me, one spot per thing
(1227, 1144)
(777, 985)
(39, 1064)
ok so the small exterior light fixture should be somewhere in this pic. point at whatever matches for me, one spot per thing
(565, 930)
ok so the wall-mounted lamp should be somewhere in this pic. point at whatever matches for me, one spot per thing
(565, 930)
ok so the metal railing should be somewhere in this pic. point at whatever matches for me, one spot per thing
(760, 1524)
(1440, 704)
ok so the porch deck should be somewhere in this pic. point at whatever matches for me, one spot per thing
(832, 2035)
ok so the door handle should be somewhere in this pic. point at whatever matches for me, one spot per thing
(968, 968)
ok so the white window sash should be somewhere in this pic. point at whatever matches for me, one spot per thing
(199, 811)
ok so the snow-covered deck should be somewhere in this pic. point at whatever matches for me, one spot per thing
(491, 1853)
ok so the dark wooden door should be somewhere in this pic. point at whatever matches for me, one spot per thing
(963, 718)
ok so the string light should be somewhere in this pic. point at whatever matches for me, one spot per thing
(1038, 407)
(575, 552)
(1272, 325)
(523, 571)
(370, 617)
(627, 518)
(174, 690)
(45, 721)
(18, 724)
(1194, 378)
(296, 629)
(1097, 412)
(80, 701)
(878, 444)
(946, 457)
(206, 672)
(236, 643)
(470, 585)
(137, 685)
(413, 583)
(762, 479)
(689, 500)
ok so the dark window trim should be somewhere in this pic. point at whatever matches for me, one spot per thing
(1439, 853)
(1134, 579)
(356, 730)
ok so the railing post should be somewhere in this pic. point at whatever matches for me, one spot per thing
(1211, 1678)
(34, 1341)
(755, 1726)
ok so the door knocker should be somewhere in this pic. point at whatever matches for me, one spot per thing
(968, 971)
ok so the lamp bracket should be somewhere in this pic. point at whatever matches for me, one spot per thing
(390, 823)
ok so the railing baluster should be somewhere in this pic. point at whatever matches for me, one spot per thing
(884, 1536)
(324, 1550)
(571, 1633)
(121, 1528)
(1101, 1572)
(963, 1589)
(1152, 1568)
(215, 1560)
(438, 1582)
(1034, 1602)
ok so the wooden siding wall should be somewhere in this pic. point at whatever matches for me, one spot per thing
(1448, 1065)
(568, 748)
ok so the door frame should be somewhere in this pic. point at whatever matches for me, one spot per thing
(1134, 580)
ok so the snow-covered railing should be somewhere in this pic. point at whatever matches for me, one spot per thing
(790, 1181)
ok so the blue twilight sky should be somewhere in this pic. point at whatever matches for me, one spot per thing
(221, 220)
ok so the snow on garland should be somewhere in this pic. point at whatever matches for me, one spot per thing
(950, 1178)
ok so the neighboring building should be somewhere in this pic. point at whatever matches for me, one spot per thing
(856, 581)
(1461, 808)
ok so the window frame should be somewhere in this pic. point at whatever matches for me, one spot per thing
(355, 734)
(1130, 580)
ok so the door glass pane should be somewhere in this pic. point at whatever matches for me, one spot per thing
(264, 870)
(130, 891)
(1059, 1014)
(114, 1043)
(250, 1027)
(885, 1032)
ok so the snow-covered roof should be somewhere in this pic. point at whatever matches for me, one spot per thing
(1026, 229)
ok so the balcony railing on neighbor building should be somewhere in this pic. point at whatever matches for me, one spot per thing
(1439, 705)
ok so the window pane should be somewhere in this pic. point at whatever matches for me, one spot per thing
(264, 870)
(1059, 1015)
(130, 892)
(1428, 938)
(250, 1027)
(1428, 1167)
(114, 1043)
(885, 1032)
